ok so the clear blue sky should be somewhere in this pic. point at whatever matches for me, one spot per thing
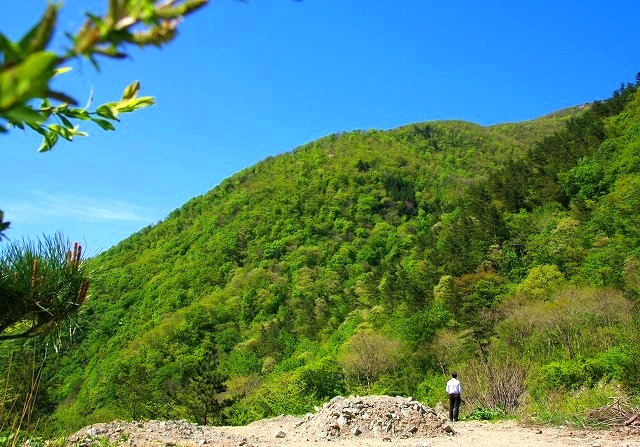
(247, 80)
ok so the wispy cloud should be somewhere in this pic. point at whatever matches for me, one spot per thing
(42, 205)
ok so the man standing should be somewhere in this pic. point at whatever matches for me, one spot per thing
(454, 389)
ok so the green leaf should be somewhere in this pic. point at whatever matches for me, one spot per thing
(68, 124)
(131, 90)
(96, 20)
(106, 125)
(62, 70)
(77, 132)
(11, 50)
(108, 111)
(111, 52)
(80, 114)
(62, 131)
(130, 105)
(38, 128)
(94, 62)
(18, 124)
(39, 36)
(26, 80)
(50, 140)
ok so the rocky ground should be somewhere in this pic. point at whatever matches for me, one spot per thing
(372, 421)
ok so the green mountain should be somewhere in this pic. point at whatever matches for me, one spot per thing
(375, 262)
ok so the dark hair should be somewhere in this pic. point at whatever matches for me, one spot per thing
(454, 375)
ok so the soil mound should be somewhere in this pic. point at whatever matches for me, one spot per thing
(372, 416)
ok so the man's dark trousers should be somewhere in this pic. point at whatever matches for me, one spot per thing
(454, 406)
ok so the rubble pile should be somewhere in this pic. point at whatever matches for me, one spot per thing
(141, 433)
(372, 416)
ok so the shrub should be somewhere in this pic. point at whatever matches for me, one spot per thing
(323, 380)
(560, 407)
(486, 414)
(496, 383)
(587, 372)
(431, 390)
(280, 395)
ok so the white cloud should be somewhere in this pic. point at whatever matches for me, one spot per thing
(42, 205)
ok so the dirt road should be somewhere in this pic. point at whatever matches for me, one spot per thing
(265, 434)
(371, 421)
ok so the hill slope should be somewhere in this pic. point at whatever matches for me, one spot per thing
(374, 261)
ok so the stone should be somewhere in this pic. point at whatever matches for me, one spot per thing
(342, 420)
(280, 434)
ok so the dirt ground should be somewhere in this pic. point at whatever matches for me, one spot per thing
(372, 421)
(465, 434)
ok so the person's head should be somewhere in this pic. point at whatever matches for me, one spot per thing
(454, 375)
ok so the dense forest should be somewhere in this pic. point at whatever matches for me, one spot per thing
(372, 262)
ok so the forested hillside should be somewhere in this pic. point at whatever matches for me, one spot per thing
(377, 262)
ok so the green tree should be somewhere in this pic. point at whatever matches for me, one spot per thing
(201, 391)
(42, 285)
(133, 388)
(367, 356)
(541, 282)
(478, 295)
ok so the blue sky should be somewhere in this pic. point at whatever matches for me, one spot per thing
(247, 80)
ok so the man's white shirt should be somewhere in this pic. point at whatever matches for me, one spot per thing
(454, 386)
